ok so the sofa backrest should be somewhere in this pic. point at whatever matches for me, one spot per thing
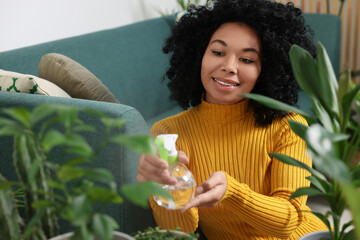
(327, 30)
(127, 59)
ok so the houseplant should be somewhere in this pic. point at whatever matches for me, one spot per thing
(332, 138)
(71, 187)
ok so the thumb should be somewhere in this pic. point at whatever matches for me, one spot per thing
(182, 158)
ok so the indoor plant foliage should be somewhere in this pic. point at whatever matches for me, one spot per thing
(332, 137)
(157, 234)
(72, 187)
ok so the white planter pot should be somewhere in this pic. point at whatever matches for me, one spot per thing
(316, 235)
(117, 236)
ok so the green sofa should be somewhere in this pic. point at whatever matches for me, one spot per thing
(130, 62)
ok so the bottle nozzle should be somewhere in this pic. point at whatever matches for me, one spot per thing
(167, 148)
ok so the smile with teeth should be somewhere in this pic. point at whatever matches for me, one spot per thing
(226, 84)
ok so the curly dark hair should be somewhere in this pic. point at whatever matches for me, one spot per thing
(279, 26)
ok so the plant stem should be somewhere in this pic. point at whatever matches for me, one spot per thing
(341, 7)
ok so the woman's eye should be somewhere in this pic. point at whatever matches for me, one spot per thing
(246, 60)
(218, 53)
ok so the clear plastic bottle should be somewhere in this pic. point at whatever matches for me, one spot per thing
(183, 191)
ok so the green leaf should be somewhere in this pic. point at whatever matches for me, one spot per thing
(84, 128)
(350, 235)
(43, 204)
(309, 191)
(323, 218)
(77, 144)
(352, 196)
(103, 195)
(41, 112)
(330, 123)
(272, 103)
(20, 114)
(139, 193)
(346, 103)
(33, 222)
(78, 211)
(113, 122)
(68, 115)
(68, 173)
(53, 138)
(305, 70)
(321, 148)
(99, 174)
(7, 184)
(327, 82)
(320, 184)
(104, 226)
(294, 162)
(138, 143)
(298, 128)
(11, 130)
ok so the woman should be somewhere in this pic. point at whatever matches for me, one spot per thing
(218, 53)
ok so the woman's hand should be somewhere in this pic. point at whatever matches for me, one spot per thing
(210, 192)
(153, 168)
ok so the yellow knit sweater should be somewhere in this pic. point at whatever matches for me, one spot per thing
(256, 204)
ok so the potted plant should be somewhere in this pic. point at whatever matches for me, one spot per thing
(332, 138)
(155, 233)
(72, 187)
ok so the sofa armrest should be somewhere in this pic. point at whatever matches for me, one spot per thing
(121, 161)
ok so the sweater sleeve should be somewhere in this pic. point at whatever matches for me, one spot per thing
(171, 219)
(274, 214)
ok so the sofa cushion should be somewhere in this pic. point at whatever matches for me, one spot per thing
(25, 83)
(74, 78)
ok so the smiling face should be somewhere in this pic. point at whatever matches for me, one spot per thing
(231, 63)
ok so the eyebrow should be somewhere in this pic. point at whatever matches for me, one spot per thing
(244, 50)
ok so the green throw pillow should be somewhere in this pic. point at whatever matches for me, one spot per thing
(74, 78)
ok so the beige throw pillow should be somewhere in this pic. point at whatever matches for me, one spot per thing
(74, 78)
(25, 83)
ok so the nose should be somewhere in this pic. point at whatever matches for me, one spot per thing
(230, 65)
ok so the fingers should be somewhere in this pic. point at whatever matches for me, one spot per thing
(152, 168)
(209, 193)
(183, 158)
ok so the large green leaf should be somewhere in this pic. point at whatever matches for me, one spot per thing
(320, 184)
(103, 195)
(104, 226)
(41, 112)
(20, 114)
(99, 174)
(328, 85)
(11, 130)
(346, 104)
(68, 173)
(298, 128)
(78, 211)
(53, 138)
(289, 160)
(309, 191)
(330, 123)
(272, 103)
(138, 143)
(305, 70)
(352, 196)
(139, 193)
(321, 147)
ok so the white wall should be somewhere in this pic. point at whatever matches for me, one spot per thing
(28, 22)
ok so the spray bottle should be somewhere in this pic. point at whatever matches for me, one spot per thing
(184, 190)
